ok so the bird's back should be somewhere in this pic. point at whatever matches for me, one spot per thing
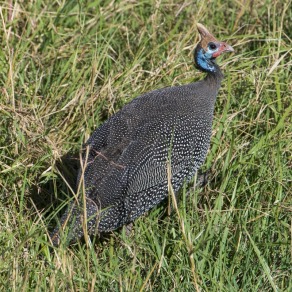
(126, 165)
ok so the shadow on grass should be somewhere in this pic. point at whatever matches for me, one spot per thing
(47, 196)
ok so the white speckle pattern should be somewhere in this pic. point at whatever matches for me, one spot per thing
(126, 171)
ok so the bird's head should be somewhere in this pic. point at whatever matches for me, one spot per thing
(208, 49)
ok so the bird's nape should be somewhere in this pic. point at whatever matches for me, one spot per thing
(208, 49)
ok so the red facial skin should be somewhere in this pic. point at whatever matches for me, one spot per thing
(223, 47)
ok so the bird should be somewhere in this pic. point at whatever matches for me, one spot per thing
(124, 166)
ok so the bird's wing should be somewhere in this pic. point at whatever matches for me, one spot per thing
(149, 163)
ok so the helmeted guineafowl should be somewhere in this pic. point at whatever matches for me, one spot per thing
(124, 167)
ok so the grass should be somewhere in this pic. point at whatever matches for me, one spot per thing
(66, 66)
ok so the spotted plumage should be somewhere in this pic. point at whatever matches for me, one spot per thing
(124, 165)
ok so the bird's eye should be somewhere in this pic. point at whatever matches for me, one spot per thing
(212, 46)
